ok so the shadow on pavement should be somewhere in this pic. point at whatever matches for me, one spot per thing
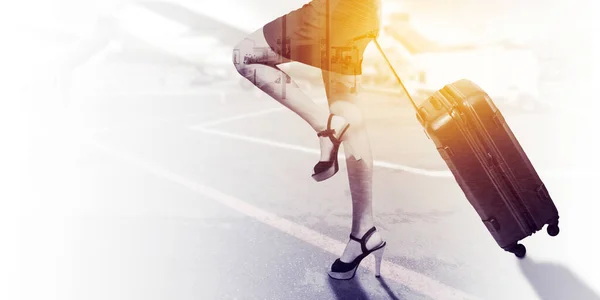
(387, 289)
(353, 290)
(347, 289)
(555, 282)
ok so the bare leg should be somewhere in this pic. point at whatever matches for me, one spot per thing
(265, 75)
(269, 78)
(343, 102)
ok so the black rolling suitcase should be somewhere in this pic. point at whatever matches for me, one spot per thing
(487, 161)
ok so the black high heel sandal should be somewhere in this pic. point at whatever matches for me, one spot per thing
(326, 169)
(344, 271)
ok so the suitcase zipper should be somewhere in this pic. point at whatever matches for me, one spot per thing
(525, 219)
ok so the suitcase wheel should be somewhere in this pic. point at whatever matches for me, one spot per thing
(553, 229)
(518, 250)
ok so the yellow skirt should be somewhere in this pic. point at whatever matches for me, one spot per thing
(306, 37)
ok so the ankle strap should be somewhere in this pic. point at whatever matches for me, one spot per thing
(327, 132)
(364, 239)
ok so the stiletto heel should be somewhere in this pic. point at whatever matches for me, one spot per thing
(378, 258)
(326, 169)
(344, 271)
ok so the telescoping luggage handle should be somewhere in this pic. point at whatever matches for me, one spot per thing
(374, 37)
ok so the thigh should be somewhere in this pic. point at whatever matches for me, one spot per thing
(304, 36)
(341, 87)
(343, 80)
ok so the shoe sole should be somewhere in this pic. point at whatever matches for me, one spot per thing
(324, 175)
(327, 173)
(343, 276)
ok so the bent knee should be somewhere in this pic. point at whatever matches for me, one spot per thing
(241, 52)
(254, 50)
(238, 59)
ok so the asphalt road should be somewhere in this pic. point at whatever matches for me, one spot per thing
(203, 197)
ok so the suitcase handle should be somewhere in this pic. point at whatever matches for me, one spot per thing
(374, 37)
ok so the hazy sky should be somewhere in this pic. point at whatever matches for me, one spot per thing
(440, 19)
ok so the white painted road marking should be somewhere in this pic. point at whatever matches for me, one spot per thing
(413, 280)
(249, 115)
(544, 173)
(238, 117)
(381, 164)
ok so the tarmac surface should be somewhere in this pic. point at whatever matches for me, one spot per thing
(205, 196)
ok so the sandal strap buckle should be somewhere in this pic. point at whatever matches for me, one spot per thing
(326, 132)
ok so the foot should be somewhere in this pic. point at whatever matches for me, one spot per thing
(353, 248)
(344, 268)
(331, 140)
(338, 123)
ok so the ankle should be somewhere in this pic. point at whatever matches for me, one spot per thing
(360, 230)
(353, 248)
(337, 123)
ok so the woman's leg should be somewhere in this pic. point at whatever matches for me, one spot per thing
(264, 74)
(343, 102)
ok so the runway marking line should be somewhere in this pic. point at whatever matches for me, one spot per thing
(249, 115)
(377, 163)
(238, 117)
(382, 164)
(412, 279)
